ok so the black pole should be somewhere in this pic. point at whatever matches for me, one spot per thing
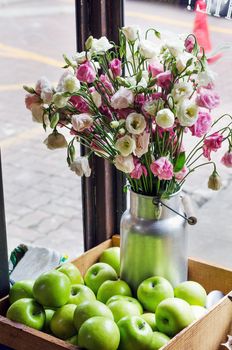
(4, 269)
(103, 199)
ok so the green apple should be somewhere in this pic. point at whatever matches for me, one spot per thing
(48, 316)
(152, 291)
(28, 312)
(124, 297)
(21, 289)
(97, 274)
(135, 333)
(122, 308)
(52, 289)
(73, 340)
(72, 272)
(151, 320)
(111, 288)
(99, 333)
(61, 324)
(172, 315)
(192, 292)
(158, 340)
(111, 256)
(198, 311)
(80, 293)
(90, 309)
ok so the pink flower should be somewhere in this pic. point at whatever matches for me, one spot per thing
(116, 67)
(140, 100)
(44, 89)
(138, 171)
(162, 168)
(83, 121)
(181, 174)
(123, 98)
(80, 104)
(86, 72)
(189, 43)
(207, 98)
(106, 84)
(31, 99)
(202, 125)
(142, 142)
(227, 159)
(164, 79)
(155, 68)
(212, 143)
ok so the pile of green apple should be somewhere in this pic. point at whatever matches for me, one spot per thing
(99, 312)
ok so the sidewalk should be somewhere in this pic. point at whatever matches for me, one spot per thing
(42, 196)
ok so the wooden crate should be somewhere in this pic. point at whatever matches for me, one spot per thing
(205, 334)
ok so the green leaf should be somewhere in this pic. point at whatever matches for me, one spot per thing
(139, 76)
(180, 161)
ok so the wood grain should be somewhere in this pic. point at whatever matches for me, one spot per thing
(20, 337)
(91, 256)
(210, 276)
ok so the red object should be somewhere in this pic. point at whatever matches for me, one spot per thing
(200, 29)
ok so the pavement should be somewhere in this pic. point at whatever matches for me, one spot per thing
(42, 196)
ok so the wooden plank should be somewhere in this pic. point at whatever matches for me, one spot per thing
(116, 241)
(208, 332)
(20, 337)
(91, 256)
(210, 276)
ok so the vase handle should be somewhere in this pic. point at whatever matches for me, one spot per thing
(189, 211)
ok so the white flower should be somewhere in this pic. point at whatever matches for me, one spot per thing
(205, 78)
(125, 164)
(165, 118)
(182, 90)
(147, 49)
(81, 166)
(81, 57)
(125, 145)
(71, 84)
(101, 45)
(59, 100)
(131, 32)
(44, 89)
(37, 112)
(181, 61)
(82, 121)
(135, 123)
(142, 143)
(175, 47)
(133, 83)
(55, 140)
(187, 112)
(123, 98)
(96, 98)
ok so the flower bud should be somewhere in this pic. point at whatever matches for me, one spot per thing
(114, 124)
(89, 42)
(122, 131)
(214, 182)
(55, 140)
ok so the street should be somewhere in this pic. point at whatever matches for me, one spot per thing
(42, 196)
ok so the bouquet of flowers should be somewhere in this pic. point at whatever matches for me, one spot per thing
(132, 104)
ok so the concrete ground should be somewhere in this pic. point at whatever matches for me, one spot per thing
(42, 197)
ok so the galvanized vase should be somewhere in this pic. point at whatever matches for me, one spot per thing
(153, 240)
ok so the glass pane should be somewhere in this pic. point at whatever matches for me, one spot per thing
(43, 197)
(211, 238)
